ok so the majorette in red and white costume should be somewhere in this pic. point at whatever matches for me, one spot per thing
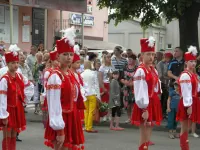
(79, 80)
(146, 89)
(63, 102)
(12, 98)
(53, 56)
(189, 88)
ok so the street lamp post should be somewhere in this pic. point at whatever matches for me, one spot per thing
(11, 22)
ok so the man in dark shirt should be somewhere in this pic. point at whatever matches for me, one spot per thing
(176, 66)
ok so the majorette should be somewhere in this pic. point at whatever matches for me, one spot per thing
(12, 96)
(64, 128)
(189, 105)
(147, 108)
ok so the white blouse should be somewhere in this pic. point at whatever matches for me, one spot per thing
(91, 83)
(186, 89)
(81, 87)
(46, 75)
(3, 95)
(53, 94)
(141, 89)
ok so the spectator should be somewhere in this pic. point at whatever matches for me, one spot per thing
(162, 68)
(24, 67)
(97, 64)
(176, 66)
(41, 47)
(114, 102)
(124, 55)
(2, 52)
(129, 52)
(31, 59)
(91, 86)
(118, 62)
(159, 57)
(129, 71)
(172, 107)
(139, 59)
(92, 58)
(105, 72)
(38, 85)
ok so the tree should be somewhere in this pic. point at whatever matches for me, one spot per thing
(186, 11)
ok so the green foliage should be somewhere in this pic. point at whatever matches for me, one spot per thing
(149, 10)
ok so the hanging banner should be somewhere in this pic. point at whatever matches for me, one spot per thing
(66, 5)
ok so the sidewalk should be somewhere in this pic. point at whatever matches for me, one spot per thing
(31, 117)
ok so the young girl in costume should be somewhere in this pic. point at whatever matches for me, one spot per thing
(64, 128)
(189, 105)
(12, 96)
(147, 108)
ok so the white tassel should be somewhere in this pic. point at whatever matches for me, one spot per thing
(14, 49)
(193, 50)
(70, 35)
(76, 49)
(151, 41)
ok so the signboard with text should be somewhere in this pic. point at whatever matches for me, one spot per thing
(66, 5)
(76, 19)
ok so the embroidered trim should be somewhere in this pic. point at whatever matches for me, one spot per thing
(138, 78)
(3, 92)
(53, 87)
(185, 81)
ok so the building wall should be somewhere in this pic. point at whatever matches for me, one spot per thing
(129, 33)
(97, 32)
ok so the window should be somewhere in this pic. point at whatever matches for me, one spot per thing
(169, 46)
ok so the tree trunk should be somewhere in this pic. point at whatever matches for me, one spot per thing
(188, 27)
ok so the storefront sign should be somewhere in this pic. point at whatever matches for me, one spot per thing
(67, 5)
(76, 19)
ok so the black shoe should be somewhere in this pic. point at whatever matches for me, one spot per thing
(18, 140)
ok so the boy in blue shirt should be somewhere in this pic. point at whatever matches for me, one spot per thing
(172, 107)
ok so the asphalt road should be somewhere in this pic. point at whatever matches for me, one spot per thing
(104, 140)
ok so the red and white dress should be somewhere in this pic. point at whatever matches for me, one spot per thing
(12, 98)
(64, 100)
(146, 90)
(47, 73)
(189, 88)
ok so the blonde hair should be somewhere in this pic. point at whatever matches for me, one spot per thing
(104, 60)
(87, 65)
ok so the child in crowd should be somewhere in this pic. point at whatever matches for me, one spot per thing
(114, 101)
(172, 107)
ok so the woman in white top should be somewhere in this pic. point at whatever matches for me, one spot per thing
(105, 72)
(92, 94)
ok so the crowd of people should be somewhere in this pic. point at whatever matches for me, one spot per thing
(70, 87)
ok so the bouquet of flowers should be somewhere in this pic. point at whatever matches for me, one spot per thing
(103, 109)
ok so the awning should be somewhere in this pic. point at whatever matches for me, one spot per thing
(100, 45)
(66, 5)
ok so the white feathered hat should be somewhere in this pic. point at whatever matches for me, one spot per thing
(191, 54)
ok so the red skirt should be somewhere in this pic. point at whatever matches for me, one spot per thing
(154, 109)
(16, 118)
(74, 137)
(105, 96)
(182, 111)
(45, 106)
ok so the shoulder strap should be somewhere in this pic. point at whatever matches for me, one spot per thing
(58, 73)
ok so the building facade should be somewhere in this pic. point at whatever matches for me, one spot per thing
(29, 25)
(129, 33)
